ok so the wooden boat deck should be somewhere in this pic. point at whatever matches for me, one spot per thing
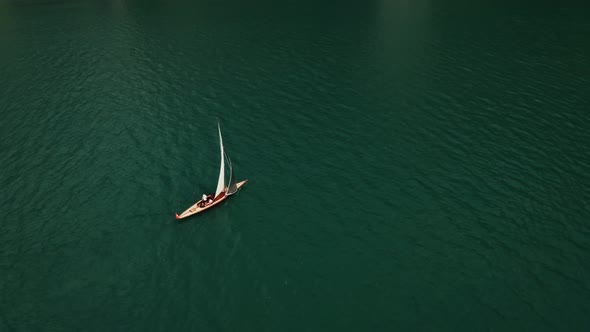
(196, 208)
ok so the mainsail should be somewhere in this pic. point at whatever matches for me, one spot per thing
(221, 181)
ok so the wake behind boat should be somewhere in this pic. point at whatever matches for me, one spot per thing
(222, 192)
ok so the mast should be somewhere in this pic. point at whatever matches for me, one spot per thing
(221, 181)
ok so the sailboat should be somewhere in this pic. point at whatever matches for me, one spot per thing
(222, 192)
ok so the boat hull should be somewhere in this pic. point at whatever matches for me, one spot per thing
(196, 208)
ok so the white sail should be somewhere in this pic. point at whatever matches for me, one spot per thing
(221, 181)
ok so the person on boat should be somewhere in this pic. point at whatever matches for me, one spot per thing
(206, 199)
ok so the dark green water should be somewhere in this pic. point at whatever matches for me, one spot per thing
(413, 165)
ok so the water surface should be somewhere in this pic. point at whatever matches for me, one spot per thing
(412, 165)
